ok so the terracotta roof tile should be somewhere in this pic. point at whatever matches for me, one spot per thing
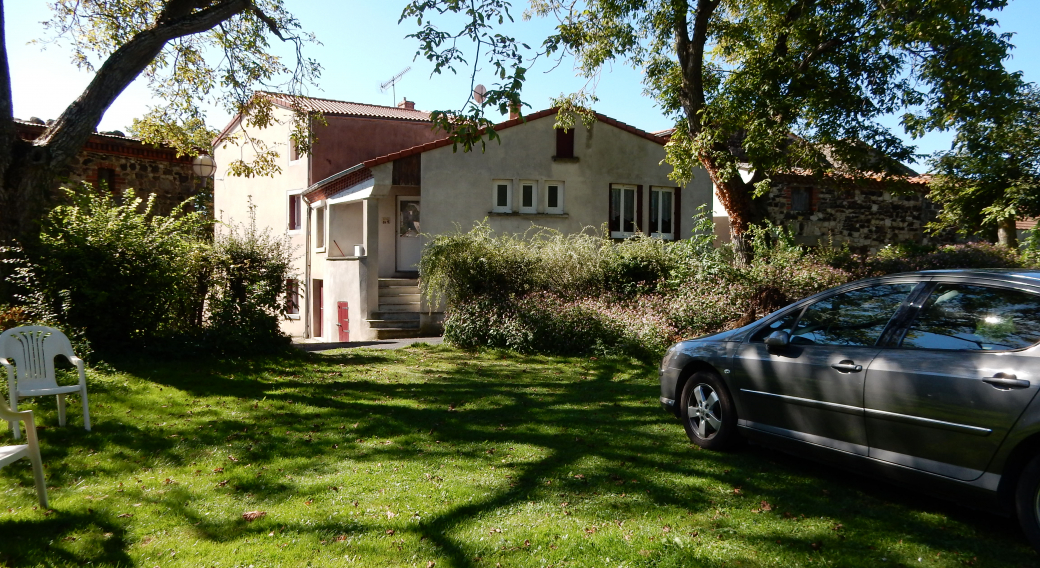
(329, 106)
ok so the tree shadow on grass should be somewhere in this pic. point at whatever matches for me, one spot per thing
(595, 423)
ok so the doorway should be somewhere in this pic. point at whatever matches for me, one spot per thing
(318, 305)
(409, 242)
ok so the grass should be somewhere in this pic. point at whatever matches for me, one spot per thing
(430, 456)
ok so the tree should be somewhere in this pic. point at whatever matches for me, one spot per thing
(764, 85)
(991, 174)
(170, 43)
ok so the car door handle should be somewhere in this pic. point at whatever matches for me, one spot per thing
(1007, 381)
(847, 366)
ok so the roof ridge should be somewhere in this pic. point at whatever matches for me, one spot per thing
(340, 101)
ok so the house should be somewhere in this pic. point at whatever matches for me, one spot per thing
(117, 162)
(347, 134)
(363, 227)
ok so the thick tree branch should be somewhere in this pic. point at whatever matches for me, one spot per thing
(690, 52)
(7, 131)
(829, 45)
(70, 131)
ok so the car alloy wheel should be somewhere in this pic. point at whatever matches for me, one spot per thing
(705, 412)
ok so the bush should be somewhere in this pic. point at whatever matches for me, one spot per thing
(908, 258)
(110, 270)
(114, 269)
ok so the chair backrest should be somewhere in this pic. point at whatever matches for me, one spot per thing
(33, 349)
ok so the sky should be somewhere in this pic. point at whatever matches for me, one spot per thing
(362, 45)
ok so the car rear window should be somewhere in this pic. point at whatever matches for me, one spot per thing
(977, 318)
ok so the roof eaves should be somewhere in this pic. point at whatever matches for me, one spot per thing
(329, 180)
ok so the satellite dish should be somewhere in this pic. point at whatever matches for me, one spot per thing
(478, 93)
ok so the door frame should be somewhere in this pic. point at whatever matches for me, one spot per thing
(397, 228)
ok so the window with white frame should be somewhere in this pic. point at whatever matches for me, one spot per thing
(662, 212)
(622, 210)
(528, 197)
(502, 196)
(292, 298)
(294, 221)
(319, 228)
(554, 197)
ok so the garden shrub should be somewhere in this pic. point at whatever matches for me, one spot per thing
(108, 270)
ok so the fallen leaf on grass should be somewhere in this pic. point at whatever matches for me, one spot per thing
(766, 506)
(253, 515)
(125, 515)
(390, 532)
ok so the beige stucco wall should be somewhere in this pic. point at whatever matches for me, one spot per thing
(457, 187)
(269, 193)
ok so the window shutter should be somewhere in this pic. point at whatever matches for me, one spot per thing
(677, 204)
(564, 143)
(294, 214)
(639, 208)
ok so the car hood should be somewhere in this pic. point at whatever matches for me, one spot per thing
(731, 335)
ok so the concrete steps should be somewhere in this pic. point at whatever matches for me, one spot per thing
(398, 315)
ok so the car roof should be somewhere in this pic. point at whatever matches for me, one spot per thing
(1029, 275)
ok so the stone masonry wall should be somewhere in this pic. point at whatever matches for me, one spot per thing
(172, 182)
(866, 216)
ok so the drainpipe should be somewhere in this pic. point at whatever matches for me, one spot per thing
(307, 266)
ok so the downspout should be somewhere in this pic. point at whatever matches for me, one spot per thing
(307, 266)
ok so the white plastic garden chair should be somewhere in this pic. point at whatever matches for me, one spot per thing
(11, 454)
(33, 349)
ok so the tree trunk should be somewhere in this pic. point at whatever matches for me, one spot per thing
(1007, 234)
(737, 197)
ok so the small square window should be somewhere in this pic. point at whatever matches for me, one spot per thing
(528, 197)
(106, 180)
(554, 197)
(801, 199)
(502, 196)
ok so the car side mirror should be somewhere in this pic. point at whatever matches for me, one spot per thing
(778, 339)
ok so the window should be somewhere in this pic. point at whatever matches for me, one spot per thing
(294, 150)
(319, 228)
(959, 316)
(528, 197)
(292, 297)
(295, 216)
(554, 197)
(106, 179)
(801, 199)
(564, 143)
(622, 210)
(855, 318)
(662, 212)
(502, 196)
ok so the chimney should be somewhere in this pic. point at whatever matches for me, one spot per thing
(406, 104)
(514, 112)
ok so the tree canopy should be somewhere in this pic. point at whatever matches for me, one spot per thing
(767, 85)
(190, 51)
(991, 175)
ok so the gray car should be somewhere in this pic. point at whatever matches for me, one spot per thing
(926, 378)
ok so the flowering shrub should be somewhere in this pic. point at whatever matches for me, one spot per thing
(545, 292)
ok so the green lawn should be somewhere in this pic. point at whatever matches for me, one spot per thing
(430, 456)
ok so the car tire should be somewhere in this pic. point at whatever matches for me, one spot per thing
(1027, 501)
(708, 413)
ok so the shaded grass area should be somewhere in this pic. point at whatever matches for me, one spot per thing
(430, 456)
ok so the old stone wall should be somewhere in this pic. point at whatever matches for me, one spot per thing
(867, 215)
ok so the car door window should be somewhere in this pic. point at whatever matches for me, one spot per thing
(977, 318)
(855, 318)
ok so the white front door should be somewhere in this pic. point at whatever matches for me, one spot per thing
(409, 244)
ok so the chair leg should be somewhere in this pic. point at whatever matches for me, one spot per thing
(61, 410)
(86, 409)
(16, 429)
(41, 483)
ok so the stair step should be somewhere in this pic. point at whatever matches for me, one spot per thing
(410, 307)
(388, 282)
(396, 316)
(397, 333)
(398, 291)
(402, 299)
(393, 324)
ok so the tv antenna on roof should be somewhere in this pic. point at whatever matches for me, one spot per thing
(392, 83)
